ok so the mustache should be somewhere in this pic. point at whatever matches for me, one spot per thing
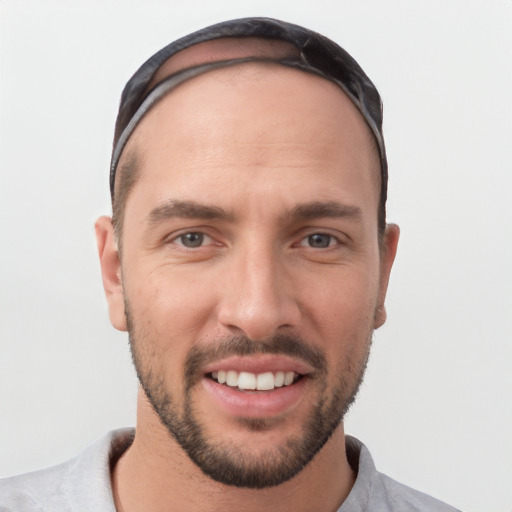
(280, 344)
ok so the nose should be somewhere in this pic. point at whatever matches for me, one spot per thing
(258, 296)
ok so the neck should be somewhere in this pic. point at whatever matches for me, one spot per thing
(155, 474)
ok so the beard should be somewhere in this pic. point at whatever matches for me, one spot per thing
(226, 462)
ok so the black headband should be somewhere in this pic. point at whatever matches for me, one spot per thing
(318, 55)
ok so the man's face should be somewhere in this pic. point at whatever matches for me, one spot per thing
(250, 253)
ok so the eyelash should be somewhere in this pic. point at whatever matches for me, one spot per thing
(309, 238)
(182, 236)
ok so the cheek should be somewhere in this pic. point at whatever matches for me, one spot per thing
(168, 317)
(171, 305)
(344, 326)
(342, 317)
(343, 301)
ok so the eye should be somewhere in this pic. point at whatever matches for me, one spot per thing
(192, 239)
(318, 241)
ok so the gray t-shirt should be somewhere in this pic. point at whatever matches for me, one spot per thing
(83, 484)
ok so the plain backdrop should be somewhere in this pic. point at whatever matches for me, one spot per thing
(436, 406)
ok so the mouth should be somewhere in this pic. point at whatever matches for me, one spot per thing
(262, 386)
(247, 381)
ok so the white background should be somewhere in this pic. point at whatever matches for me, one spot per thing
(436, 407)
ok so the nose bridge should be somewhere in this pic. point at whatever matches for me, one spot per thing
(258, 298)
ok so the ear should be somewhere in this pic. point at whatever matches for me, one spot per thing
(387, 256)
(111, 271)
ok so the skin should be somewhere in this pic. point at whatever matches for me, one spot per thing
(256, 274)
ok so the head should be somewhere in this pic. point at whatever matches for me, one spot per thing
(248, 202)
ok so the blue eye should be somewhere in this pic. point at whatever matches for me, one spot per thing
(319, 240)
(191, 240)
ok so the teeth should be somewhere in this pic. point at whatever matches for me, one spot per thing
(251, 381)
(247, 380)
(288, 378)
(265, 381)
(232, 378)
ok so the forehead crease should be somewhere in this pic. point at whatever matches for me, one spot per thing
(224, 49)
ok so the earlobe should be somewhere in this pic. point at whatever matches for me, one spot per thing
(111, 271)
(387, 257)
(380, 317)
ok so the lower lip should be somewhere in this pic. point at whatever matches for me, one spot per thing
(255, 404)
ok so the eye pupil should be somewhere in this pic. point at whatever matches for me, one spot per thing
(192, 239)
(319, 241)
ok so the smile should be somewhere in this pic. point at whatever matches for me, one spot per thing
(247, 381)
(258, 385)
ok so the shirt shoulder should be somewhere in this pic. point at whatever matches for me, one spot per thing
(401, 498)
(80, 484)
(375, 492)
(37, 491)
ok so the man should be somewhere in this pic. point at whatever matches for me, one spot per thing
(248, 258)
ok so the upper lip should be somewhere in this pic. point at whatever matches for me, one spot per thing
(259, 363)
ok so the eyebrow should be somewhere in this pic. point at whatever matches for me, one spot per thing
(186, 209)
(319, 209)
(304, 211)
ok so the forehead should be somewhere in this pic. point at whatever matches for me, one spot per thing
(262, 100)
(242, 121)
